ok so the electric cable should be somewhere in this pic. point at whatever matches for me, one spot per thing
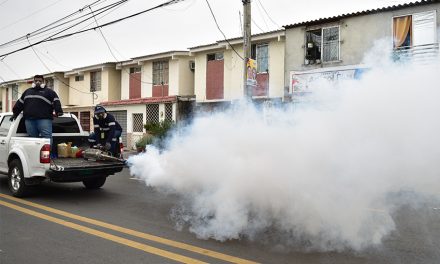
(215, 20)
(53, 38)
(30, 15)
(111, 52)
(41, 31)
(45, 65)
(262, 17)
(264, 9)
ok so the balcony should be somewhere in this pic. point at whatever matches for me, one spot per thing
(422, 54)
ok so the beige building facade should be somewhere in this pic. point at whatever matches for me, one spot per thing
(219, 69)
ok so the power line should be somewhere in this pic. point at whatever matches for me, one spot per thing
(262, 17)
(48, 28)
(9, 68)
(215, 20)
(45, 65)
(3, 2)
(253, 21)
(112, 10)
(275, 23)
(30, 15)
(111, 52)
(53, 38)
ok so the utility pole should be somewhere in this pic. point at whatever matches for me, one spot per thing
(246, 45)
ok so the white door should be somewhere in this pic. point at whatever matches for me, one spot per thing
(4, 130)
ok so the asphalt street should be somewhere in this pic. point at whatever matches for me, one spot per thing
(128, 222)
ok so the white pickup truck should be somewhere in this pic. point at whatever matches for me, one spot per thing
(27, 160)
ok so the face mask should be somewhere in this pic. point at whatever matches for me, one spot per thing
(100, 115)
(40, 85)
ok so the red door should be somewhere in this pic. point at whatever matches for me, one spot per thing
(135, 85)
(215, 79)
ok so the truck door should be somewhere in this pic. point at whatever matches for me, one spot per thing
(5, 124)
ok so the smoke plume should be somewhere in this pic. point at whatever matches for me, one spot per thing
(321, 172)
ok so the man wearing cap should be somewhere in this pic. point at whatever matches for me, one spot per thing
(38, 104)
(106, 130)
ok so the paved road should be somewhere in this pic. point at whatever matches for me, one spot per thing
(126, 222)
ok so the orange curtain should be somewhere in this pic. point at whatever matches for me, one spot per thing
(401, 28)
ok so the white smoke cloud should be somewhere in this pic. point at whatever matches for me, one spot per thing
(320, 175)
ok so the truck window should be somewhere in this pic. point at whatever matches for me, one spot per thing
(64, 125)
(59, 125)
(5, 125)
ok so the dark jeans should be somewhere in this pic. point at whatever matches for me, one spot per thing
(39, 127)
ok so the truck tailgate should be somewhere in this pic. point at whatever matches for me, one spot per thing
(74, 169)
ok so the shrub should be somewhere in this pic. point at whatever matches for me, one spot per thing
(159, 129)
(144, 141)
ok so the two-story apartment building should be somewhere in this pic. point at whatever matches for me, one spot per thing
(335, 47)
(219, 70)
(89, 86)
(154, 88)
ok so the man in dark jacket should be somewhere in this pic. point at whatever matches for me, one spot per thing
(38, 105)
(106, 130)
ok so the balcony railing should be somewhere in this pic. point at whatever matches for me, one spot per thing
(421, 53)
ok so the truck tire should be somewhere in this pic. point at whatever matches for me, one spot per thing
(94, 183)
(16, 183)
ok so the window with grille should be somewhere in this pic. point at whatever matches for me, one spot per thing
(49, 83)
(215, 56)
(169, 112)
(152, 113)
(135, 69)
(95, 81)
(160, 72)
(322, 45)
(14, 92)
(260, 53)
(138, 122)
(79, 78)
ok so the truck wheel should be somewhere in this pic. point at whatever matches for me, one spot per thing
(94, 183)
(16, 183)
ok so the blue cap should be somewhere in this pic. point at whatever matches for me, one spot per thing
(99, 109)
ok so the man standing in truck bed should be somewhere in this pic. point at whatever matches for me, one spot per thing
(106, 130)
(38, 104)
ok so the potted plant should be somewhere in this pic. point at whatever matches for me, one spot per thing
(142, 143)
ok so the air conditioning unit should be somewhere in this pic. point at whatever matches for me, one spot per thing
(192, 65)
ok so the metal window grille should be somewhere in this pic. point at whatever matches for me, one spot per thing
(138, 122)
(49, 83)
(160, 72)
(330, 44)
(14, 92)
(169, 112)
(152, 113)
(262, 58)
(95, 81)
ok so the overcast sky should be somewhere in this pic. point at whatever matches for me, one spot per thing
(177, 27)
